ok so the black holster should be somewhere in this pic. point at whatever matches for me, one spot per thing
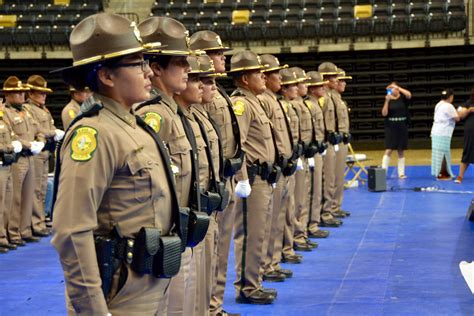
(145, 247)
(50, 145)
(334, 138)
(210, 201)
(311, 149)
(8, 159)
(26, 153)
(274, 175)
(194, 226)
(322, 147)
(290, 168)
(167, 260)
(105, 248)
(233, 165)
(346, 138)
(224, 194)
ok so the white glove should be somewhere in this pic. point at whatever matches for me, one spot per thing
(36, 147)
(243, 189)
(324, 152)
(17, 147)
(336, 148)
(311, 162)
(299, 164)
(59, 135)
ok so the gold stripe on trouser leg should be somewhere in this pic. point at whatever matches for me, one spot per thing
(329, 176)
(250, 222)
(5, 179)
(19, 225)
(206, 267)
(340, 168)
(289, 220)
(41, 165)
(182, 289)
(302, 187)
(225, 223)
(317, 186)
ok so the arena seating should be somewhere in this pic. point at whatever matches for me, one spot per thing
(40, 23)
(284, 19)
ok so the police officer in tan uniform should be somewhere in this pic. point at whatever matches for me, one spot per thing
(36, 106)
(254, 180)
(220, 110)
(329, 72)
(9, 146)
(343, 124)
(286, 161)
(114, 180)
(72, 109)
(170, 75)
(23, 171)
(315, 103)
(303, 176)
(289, 92)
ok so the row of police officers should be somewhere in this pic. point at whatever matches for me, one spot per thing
(161, 168)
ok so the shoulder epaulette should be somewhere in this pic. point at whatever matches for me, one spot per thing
(155, 100)
(237, 93)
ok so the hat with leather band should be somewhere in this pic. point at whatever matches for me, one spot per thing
(342, 75)
(84, 89)
(315, 79)
(271, 62)
(96, 39)
(199, 65)
(288, 76)
(38, 83)
(328, 69)
(165, 36)
(245, 60)
(207, 41)
(13, 84)
(207, 66)
(300, 74)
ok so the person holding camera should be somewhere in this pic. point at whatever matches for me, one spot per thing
(395, 111)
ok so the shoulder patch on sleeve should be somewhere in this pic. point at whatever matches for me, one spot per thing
(309, 104)
(71, 113)
(83, 143)
(321, 101)
(154, 120)
(239, 107)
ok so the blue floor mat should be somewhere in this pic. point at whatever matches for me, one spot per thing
(398, 254)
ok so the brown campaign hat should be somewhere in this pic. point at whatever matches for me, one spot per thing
(271, 62)
(327, 69)
(38, 83)
(315, 79)
(342, 75)
(165, 36)
(97, 38)
(245, 60)
(14, 84)
(200, 65)
(84, 89)
(288, 76)
(207, 40)
(300, 74)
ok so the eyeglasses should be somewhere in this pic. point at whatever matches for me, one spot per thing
(144, 65)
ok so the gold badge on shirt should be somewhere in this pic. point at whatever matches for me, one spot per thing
(153, 120)
(239, 107)
(84, 143)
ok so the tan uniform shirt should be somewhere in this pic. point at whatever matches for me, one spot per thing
(23, 125)
(212, 137)
(69, 112)
(316, 108)
(274, 111)
(219, 111)
(341, 111)
(43, 117)
(255, 130)
(293, 119)
(304, 116)
(329, 113)
(111, 173)
(164, 119)
(6, 135)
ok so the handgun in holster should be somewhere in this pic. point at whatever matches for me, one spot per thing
(274, 175)
(233, 165)
(311, 149)
(334, 138)
(105, 248)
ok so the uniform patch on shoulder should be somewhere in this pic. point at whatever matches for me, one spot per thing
(309, 104)
(154, 120)
(239, 107)
(71, 114)
(84, 143)
(321, 101)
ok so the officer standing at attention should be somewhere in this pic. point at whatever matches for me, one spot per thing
(303, 176)
(221, 112)
(315, 103)
(9, 146)
(254, 180)
(72, 109)
(287, 163)
(289, 92)
(23, 172)
(36, 106)
(329, 72)
(115, 185)
(343, 126)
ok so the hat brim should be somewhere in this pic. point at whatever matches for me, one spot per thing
(242, 69)
(15, 89)
(344, 78)
(225, 49)
(168, 52)
(314, 84)
(275, 68)
(36, 88)
(285, 83)
(329, 73)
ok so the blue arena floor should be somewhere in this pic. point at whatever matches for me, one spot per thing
(398, 254)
